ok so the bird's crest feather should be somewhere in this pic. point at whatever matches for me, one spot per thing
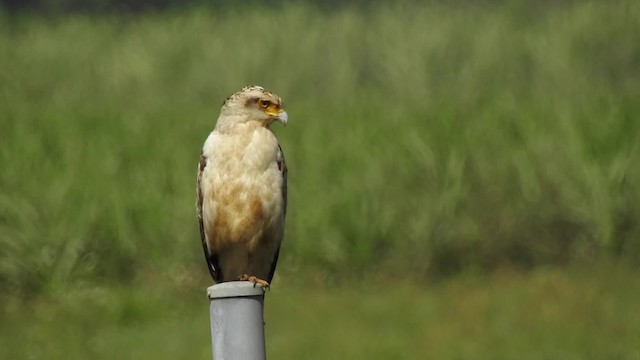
(244, 90)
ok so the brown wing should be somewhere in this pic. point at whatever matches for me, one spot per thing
(282, 165)
(210, 257)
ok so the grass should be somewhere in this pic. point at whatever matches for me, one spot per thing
(544, 314)
(434, 143)
(428, 139)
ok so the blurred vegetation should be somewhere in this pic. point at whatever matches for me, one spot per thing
(493, 144)
(573, 315)
(426, 140)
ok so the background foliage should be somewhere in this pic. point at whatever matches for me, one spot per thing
(427, 139)
(464, 178)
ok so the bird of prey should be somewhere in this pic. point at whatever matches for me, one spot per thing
(241, 194)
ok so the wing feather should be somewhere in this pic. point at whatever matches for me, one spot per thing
(282, 165)
(210, 256)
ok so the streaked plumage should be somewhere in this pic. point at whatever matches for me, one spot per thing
(242, 189)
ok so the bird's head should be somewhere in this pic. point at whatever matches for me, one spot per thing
(252, 103)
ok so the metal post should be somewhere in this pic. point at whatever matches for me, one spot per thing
(237, 322)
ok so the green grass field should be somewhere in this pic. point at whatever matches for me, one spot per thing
(578, 315)
(436, 144)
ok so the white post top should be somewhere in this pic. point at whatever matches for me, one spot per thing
(234, 289)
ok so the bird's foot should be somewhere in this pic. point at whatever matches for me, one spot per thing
(254, 280)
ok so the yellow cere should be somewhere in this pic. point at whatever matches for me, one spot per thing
(272, 109)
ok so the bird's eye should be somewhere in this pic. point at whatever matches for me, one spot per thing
(264, 103)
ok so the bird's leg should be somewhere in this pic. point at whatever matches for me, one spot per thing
(254, 280)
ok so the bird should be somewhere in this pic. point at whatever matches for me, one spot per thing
(241, 189)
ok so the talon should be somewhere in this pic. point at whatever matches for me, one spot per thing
(254, 280)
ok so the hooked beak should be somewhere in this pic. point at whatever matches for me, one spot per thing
(283, 117)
